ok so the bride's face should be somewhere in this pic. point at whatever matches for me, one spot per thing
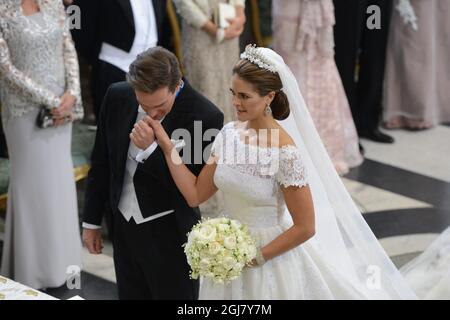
(248, 103)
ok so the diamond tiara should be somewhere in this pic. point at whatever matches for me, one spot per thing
(253, 55)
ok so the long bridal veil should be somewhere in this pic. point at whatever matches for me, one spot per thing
(342, 235)
(429, 273)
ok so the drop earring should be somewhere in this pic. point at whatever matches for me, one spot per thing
(268, 110)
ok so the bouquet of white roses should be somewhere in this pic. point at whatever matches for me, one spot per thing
(219, 249)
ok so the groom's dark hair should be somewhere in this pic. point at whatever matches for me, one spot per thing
(154, 69)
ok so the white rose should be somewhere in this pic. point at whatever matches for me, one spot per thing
(243, 247)
(235, 224)
(230, 242)
(238, 267)
(204, 263)
(193, 235)
(229, 263)
(207, 233)
(223, 227)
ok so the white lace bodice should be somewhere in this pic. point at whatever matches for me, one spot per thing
(38, 61)
(251, 178)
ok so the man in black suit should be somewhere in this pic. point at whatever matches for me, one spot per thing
(150, 216)
(357, 42)
(113, 33)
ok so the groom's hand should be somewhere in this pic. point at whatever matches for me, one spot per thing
(92, 239)
(142, 135)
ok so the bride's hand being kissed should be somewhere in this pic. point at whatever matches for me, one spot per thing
(161, 135)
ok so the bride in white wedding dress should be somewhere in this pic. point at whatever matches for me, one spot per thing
(277, 179)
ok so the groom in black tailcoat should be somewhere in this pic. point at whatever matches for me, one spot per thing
(150, 216)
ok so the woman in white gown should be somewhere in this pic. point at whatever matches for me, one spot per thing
(278, 180)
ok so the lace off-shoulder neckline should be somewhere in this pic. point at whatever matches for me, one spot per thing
(280, 148)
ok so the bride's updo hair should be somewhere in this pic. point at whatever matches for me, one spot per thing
(264, 82)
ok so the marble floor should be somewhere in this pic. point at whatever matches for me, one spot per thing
(403, 191)
(410, 204)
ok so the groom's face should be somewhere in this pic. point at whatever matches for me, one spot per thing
(157, 104)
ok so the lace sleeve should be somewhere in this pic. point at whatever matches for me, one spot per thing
(71, 65)
(291, 171)
(26, 85)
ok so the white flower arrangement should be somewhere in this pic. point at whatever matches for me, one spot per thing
(219, 249)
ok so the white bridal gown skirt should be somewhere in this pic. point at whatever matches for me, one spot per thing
(42, 236)
(299, 274)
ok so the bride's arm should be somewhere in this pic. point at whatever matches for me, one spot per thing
(300, 205)
(293, 181)
(195, 190)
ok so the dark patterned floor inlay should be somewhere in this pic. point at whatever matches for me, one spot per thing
(403, 182)
(407, 221)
